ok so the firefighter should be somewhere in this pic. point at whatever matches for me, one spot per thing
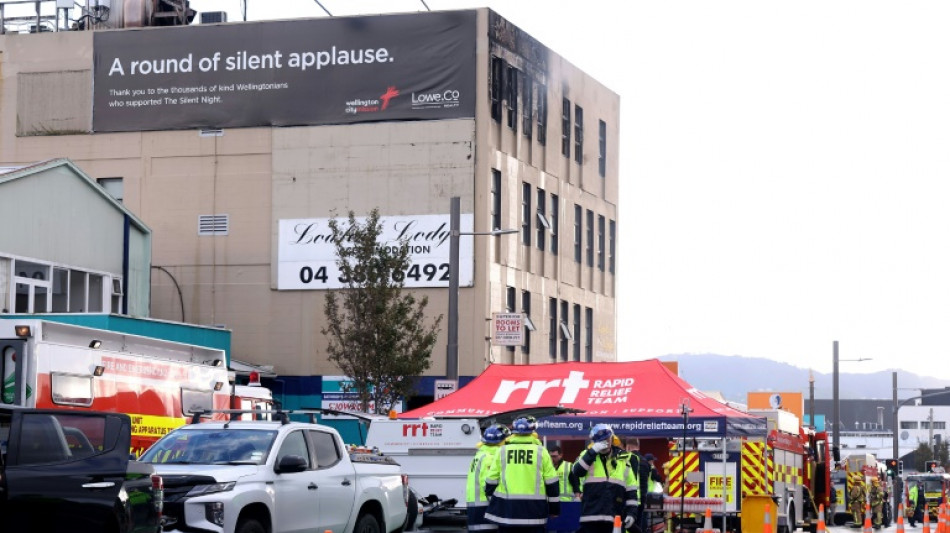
(486, 454)
(876, 499)
(610, 484)
(856, 501)
(522, 485)
(563, 469)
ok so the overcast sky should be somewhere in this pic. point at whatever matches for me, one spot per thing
(784, 169)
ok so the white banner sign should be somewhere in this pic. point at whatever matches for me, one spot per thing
(444, 387)
(306, 255)
(507, 329)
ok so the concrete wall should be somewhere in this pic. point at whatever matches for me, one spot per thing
(258, 176)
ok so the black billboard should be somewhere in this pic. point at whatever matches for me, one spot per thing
(286, 73)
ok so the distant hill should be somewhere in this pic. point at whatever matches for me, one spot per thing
(735, 376)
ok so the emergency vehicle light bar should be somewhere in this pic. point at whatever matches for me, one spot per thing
(279, 414)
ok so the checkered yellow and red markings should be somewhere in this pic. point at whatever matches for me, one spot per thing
(679, 467)
(753, 476)
(788, 474)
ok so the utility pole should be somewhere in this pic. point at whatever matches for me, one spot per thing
(898, 492)
(836, 409)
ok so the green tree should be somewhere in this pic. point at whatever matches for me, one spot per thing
(377, 332)
(922, 454)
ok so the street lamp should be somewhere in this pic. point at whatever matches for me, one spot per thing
(836, 429)
(452, 350)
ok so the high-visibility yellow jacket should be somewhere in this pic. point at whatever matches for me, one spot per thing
(564, 487)
(611, 486)
(475, 488)
(522, 484)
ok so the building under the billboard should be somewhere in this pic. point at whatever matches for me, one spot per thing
(223, 138)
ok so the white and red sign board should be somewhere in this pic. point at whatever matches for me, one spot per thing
(444, 387)
(394, 437)
(870, 470)
(507, 329)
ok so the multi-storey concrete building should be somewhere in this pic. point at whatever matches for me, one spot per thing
(235, 143)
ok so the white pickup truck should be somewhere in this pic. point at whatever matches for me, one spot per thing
(274, 477)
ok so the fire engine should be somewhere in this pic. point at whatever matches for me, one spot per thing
(55, 365)
(791, 466)
(855, 469)
(933, 485)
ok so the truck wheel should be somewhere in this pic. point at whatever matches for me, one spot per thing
(366, 524)
(249, 525)
(412, 512)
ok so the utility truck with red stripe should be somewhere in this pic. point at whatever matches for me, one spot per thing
(158, 383)
(790, 467)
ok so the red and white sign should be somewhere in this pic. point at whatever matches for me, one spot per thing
(507, 329)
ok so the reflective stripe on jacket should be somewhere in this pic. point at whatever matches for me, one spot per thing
(477, 472)
(564, 486)
(522, 484)
(610, 486)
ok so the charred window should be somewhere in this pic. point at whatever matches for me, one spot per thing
(578, 134)
(566, 128)
(497, 78)
(542, 115)
(511, 97)
(527, 107)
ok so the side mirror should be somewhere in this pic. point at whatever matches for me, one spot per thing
(290, 464)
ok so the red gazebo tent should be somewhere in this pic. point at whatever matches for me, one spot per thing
(637, 398)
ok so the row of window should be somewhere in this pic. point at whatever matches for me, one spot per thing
(508, 84)
(45, 288)
(564, 334)
(923, 424)
(548, 223)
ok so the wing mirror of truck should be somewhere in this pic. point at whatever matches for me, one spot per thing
(291, 463)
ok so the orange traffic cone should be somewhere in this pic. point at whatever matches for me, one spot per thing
(900, 518)
(821, 519)
(942, 518)
(707, 523)
(926, 528)
(767, 523)
(618, 524)
(867, 518)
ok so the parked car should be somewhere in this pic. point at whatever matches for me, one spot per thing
(275, 476)
(69, 470)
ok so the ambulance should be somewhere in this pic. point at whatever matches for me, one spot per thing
(54, 365)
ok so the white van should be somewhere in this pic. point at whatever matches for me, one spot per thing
(436, 452)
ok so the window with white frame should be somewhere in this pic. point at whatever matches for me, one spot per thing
(44, 288)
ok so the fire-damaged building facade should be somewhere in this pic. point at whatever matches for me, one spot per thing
(236, 143)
